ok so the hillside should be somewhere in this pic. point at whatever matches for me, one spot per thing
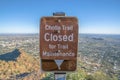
(22, 66)
(19, 65)
(98, 58)
(100, 53)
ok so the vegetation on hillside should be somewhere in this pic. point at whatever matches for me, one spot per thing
(98, 58)
(23, 66)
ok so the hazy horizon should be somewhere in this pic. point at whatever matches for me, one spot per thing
(39, 33)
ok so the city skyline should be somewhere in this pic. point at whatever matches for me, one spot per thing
(94, 16)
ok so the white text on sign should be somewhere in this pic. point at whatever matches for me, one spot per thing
(56, 27)
(53, 37)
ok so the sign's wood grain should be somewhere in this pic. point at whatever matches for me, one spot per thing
(58, 41)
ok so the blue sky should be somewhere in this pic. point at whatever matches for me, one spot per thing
(95, 16)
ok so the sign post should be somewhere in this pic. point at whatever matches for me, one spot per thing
(60, 76)
(58, 43)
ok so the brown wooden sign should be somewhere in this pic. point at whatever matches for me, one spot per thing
(58, 43)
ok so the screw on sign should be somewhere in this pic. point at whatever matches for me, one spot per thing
(58, 43)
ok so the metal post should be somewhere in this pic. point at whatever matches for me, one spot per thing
(59, 76)
(59, 14)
